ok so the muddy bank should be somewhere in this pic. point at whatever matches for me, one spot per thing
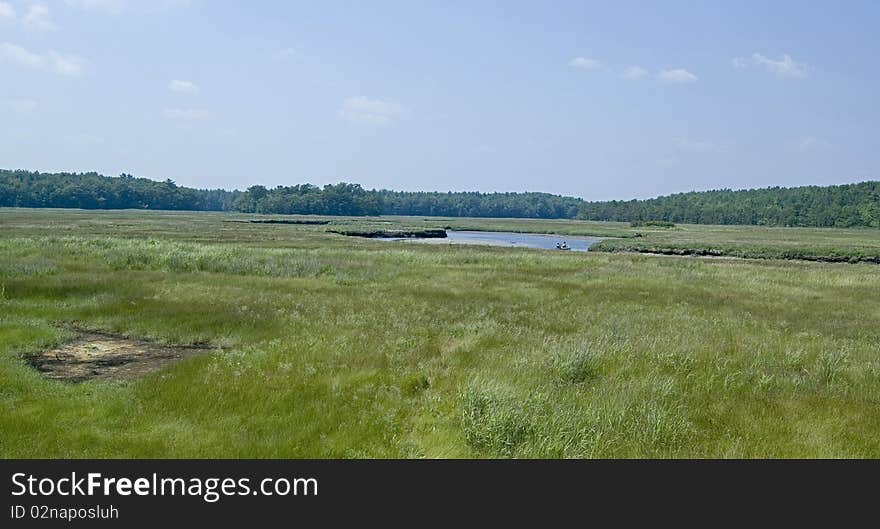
(822, 255)
(98, 356)
(394, 234)
(283, 221)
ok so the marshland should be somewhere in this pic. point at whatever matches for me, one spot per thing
(312, 343)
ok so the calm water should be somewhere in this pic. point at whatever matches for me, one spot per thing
(522, 240)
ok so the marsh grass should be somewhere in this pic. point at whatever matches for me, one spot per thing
(494, 419)
(754, 242)
(415, 385)
(332, 346)
(575, 364)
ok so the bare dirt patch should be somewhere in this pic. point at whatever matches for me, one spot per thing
(97, 356)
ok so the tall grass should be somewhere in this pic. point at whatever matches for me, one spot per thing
(328, 346)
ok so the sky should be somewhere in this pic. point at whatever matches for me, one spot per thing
(601, 100)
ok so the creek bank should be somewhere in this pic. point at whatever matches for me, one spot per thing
(394, 234)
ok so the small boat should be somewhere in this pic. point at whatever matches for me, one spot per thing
(563, 246)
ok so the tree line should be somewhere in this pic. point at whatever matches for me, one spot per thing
(352, 199)
(94, 191)
(844, 206)
(848, 205)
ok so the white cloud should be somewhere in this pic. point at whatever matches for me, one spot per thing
(811, 143)
(286, 53)
(700, 146)
(109, 6)
(37, 19)
(183, 87)
(583, 63)
(784, 67)
(116, 7)
(7, 12)
(20, 106)
(66, 64)
(185, 114)
(677, 75)
(486, 149)
(634, 73)
(376, 111)
(19, 55)
(59, 63)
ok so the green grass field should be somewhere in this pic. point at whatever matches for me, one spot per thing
(323, 345)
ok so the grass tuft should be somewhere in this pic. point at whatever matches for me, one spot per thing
(493, 419)
(575, 365)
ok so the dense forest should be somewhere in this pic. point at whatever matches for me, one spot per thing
(843, 206)
(352, 199)
(93, 191)
(523, 205)
(840, 206)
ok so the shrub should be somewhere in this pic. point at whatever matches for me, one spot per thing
(652, 223)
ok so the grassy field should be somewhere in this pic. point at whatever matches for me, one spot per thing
(755, 242)
(322, 345)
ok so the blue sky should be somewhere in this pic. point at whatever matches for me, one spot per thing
(600, 100)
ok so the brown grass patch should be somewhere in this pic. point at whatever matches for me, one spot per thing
(97, 356)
